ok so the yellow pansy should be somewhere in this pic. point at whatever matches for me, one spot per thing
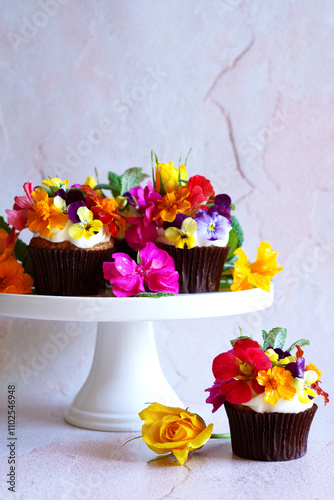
(87, 226)
(184, 236)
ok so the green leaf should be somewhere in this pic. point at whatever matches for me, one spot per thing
(239, 338)
(27, 264)
(20, 250)
(264, 336)
(233, 244)
(132, 178)
(276, 338)
(236, 237)
(115, 183)
(4, 225)
(300, 342)
(154, 295)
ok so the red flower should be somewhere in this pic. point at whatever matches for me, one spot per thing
(200, 190)
(239, 368)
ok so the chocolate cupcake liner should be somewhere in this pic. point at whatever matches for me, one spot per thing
(270, 437)
(69, 272)
(199, 268)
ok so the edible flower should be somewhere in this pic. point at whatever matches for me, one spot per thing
(238, 370)
(277, 384)
(258, 274)
(155, 270)
(172, 203)
(87, 226)
(183, 237)
(168, 429)
(211, 225)
(43, 215)
(19, 215)
(168, 177)
(13, 279)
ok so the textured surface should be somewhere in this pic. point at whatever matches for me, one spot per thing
(249, 86)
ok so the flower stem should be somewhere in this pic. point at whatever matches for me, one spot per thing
(227, 435)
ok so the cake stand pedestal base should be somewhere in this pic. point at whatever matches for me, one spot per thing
(125, 375)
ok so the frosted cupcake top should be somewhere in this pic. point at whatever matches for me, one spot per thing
(265, 378)
(57, 213)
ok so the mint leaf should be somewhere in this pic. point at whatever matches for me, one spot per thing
(131, 178)
(115, 184)
(276, 338)
(155, 295)
(265, 337)
(300, 342)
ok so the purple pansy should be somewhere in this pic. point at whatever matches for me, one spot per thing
(72, 210)
(211, 225)
(223, 205)
(281, 354)
(70, 196)
(297, 369)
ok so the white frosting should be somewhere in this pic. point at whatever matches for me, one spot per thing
(282, 406)
(58, 236)
(200, 242)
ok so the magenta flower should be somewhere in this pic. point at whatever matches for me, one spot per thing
(19, 215)
(139, 234)
(156, 270)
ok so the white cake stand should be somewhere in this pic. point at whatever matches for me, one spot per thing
(126, 372)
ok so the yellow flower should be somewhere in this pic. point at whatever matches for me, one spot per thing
(87, 226)
(277, 384)
(55, 182)
(183, 236)
(273, 356)
(43, 215)
(173, 203)
(310, 377)
(91, 182)
(173, 430)
(167, 177)
(258, 274)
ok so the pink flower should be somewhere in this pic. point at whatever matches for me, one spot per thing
(140, 233)
(19, 215)
(156, 271)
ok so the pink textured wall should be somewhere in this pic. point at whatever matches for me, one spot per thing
(247, 84)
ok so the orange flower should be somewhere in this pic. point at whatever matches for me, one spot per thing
(312, 367)
(277, 384)
(172, 203)
(246, 275)
(13, 279)
(43, 215)
(6, 249)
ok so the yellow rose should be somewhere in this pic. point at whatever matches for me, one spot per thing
(169, 175)
(173, 430)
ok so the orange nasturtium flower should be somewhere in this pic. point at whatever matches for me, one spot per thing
(167, 429)
(169, 175)
(43, 215)
(173, 203)
(258, 274)
(277, 384)
(12, 276)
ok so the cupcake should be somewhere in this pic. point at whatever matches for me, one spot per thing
(186, 219)
(73, 230)
(268, 394)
